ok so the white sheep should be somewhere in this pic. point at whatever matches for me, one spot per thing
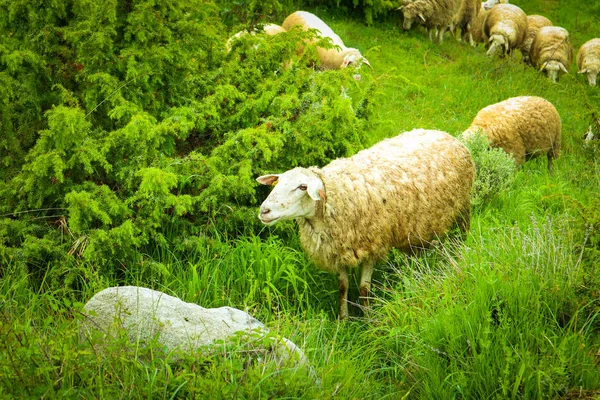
(334, 58)
(401, 193)
(465, 19)
(505, 26)
(525, 127)
(436, 15)
(551, 51)
(588, 60)
(268, 29)
(534, 24)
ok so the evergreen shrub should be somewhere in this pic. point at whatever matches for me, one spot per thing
(128, 126)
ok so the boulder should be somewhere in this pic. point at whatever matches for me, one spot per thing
(148, 316)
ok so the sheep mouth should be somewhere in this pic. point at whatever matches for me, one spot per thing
(268, 221)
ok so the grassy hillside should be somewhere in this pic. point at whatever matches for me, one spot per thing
(510, 313)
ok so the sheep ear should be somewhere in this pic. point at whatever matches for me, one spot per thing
(365, 61)
(268, 179)
(315, 189)
(583, 71)
(543, 67)
(422, 17)
(563, 68)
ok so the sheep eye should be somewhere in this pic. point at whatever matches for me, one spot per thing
(302, 187)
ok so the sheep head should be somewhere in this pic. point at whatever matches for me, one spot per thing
(295, 195)
(552, 67)
(487, 5)
(591, 75)
(353, 57)
(411, 13)
(496, 42)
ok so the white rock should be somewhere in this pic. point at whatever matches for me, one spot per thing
(147, 315)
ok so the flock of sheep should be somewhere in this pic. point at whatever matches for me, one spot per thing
(407, 191)
(505, 27)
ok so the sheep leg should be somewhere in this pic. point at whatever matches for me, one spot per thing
(365, 281)
(464, 222)
(550, 162)
(343, 286)
(441, 35)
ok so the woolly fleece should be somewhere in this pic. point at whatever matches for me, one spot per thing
(588, 58)
(508, 21)
(404, 191)
(330, 58)
(525, 127)
(465, 18)
(438, 14)
(534, 24)
(551, 43)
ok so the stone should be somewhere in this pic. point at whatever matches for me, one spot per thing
(149, 316)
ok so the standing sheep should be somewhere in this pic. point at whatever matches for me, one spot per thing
(551, 51)
(505, 26)
(465, 19)
(588, 60)
(534, 24)
(525, 127)
(401, 193)
(333, 58)
(434, 14)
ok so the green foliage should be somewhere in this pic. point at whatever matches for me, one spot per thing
(144, 123)
(495, 169)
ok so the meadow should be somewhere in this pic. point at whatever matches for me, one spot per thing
(511, 312)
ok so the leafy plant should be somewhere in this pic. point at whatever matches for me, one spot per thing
(495, 169)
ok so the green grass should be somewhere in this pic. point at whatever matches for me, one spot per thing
(512, 313)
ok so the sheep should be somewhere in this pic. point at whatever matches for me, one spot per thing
(505, 26)
(434, 14)
(525, 127)
(333, 58)
(403, 192)
(588, 60)
(268, 29)
(465, 19)
(477, 30)
(551, 51)
(534, 23)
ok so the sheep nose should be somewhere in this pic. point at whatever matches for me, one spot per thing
(264, 210)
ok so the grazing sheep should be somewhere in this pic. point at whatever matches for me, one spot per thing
(551, 51)
(269, 29)
(401, 193)
(465, 19)
(487, 5)
(525, 127)
(588, 60)
(434, 14)
(333, 58)
(534, 23)
(505, 26)
(477, 30)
